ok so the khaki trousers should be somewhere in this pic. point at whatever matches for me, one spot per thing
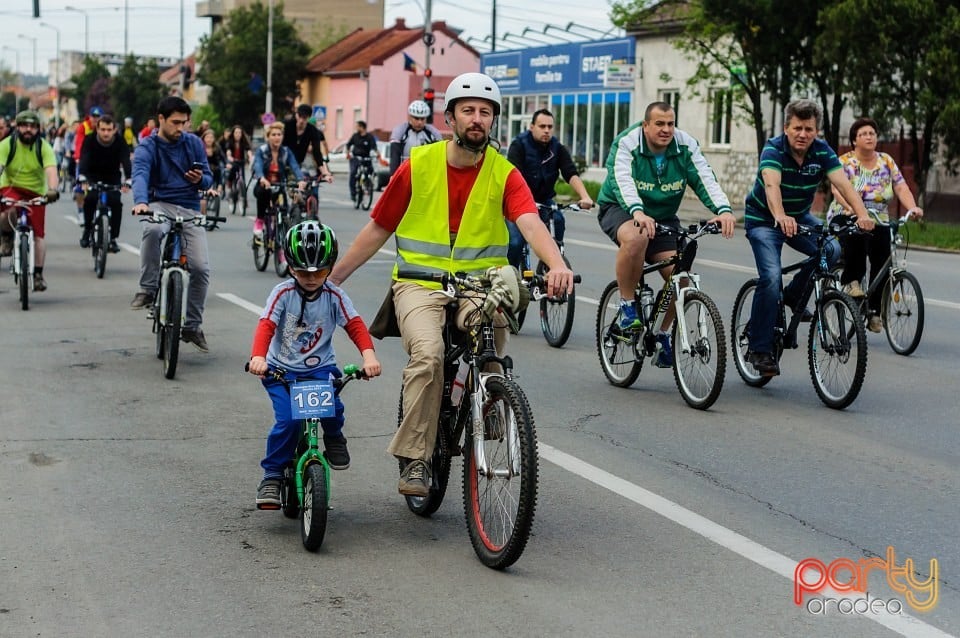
(421, 313)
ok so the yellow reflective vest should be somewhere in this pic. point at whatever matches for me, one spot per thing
(423, 236)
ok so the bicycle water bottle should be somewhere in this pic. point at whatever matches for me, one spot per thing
(456, 391)
(646, 303)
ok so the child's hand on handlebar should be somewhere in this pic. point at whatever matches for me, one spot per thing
(257, 366)
(371, 365)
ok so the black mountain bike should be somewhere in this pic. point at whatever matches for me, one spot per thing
(699, 348)
(275, 224)
(363, 186)
(484, 417)
(100, 233)
(837, 343)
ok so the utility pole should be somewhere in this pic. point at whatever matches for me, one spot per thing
(183, 65)
(428, 40)
(493, 27)
(268, 108)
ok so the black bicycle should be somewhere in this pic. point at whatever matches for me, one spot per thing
(837, 342)
(237, 187)
(100, 233)
(170, 303)
(275, 225)
(484, 417)
(699, 349)
(363, 184)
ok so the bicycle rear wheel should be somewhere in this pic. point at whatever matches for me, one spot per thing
(171, 338)
(101, 243)
(279, 258)
(699, 370)
(261, 245)
(838, 356)
(313, 208)
(500, 505)
(440, 467)
(620, 357)
(26, 276)
(740, 335)
(242, 192)
(213, 210)
(316, 498)
(556, 315)
(902, 312)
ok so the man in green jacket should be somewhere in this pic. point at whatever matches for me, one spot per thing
(649, 167)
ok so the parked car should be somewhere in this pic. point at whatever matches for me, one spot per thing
(339, 163)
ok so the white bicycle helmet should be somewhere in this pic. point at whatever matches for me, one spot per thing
(418, 108)
(476, 85)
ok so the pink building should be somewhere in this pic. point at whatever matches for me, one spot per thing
(367, 76)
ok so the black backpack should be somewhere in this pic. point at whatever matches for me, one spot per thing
(37, 145)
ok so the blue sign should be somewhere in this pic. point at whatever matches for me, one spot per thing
(571, 66)
(312, 400)
(319, 112)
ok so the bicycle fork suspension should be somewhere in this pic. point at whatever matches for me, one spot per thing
(479, 398)
(162, 293)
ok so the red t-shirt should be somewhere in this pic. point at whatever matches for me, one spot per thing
(390, 208)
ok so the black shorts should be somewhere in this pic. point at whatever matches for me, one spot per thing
(611, 217)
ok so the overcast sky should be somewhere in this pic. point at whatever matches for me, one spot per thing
(153, 26)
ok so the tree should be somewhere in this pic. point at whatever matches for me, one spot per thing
(93, 70)
(136, 89)
(233, 62)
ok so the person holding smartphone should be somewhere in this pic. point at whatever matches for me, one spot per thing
(169, 172)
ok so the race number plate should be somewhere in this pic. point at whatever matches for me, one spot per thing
(312, 400)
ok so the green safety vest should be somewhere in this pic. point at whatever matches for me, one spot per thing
(423, 236)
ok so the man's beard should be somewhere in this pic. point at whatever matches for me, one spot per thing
(28, 138)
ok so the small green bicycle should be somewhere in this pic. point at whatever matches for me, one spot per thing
(305, 486)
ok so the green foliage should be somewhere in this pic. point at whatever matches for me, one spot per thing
(566, 193)
(136, 90)
(935, 235)
(93, 70)
(208, 113)
(230, 57)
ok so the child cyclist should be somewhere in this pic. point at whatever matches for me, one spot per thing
(295, 333)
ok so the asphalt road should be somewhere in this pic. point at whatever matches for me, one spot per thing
(127, 504)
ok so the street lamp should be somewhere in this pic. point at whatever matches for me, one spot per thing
(26, 37)
(16, 96)
(56, 111)
(86, 29)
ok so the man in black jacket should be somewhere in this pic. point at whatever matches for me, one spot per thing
(101, 158)
(542, 160)
(299, 135)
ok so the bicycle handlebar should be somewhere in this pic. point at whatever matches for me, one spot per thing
(36, 201)
(197, 219)
(350, 372)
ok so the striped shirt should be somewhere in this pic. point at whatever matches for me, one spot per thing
(798, 183)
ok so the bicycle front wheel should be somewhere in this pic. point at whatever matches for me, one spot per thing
(279, 258)
(101, 242)
(837, 350)
(556, 315)
(313, 514)
(25, 275)
(261, 245)
(171, 338)
(313, 208)
(902, 312)
(500, 500)
(367, 197)
(700, 367)
(619, 352)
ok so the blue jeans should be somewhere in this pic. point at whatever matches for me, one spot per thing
(283, 437)
(517, 242)
(767, 243)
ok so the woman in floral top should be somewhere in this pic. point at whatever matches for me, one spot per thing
(878, 180)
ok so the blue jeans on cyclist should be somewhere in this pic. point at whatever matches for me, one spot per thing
(283, 437)
(517, 242)
(767, 244)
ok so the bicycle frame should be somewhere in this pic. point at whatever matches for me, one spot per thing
(894, 263)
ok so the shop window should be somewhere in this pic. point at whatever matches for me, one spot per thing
(721, 108)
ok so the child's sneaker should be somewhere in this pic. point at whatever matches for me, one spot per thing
(268, 494)
(258, 228)
(335, 450)
(628, 316)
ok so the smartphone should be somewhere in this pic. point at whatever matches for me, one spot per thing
(196, 166)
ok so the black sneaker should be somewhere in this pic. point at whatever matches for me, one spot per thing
(764, 362)
(39, 284)
(335, 451)
(6, 245)
(415, 479)
(141, 300)
(85, 239)
(268, 494)
(196, 338)
(113, 247)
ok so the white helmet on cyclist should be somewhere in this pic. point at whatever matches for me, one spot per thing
(475, 85)
(418, 108)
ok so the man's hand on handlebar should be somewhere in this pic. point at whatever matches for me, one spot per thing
(559, 281)
(585, 204)
(645, 223)
(140, 209)
(727, 223)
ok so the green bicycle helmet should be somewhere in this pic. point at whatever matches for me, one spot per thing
(311, 246)
(28, 117)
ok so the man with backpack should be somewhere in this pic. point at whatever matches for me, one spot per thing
(411, 134)
(27, 165)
